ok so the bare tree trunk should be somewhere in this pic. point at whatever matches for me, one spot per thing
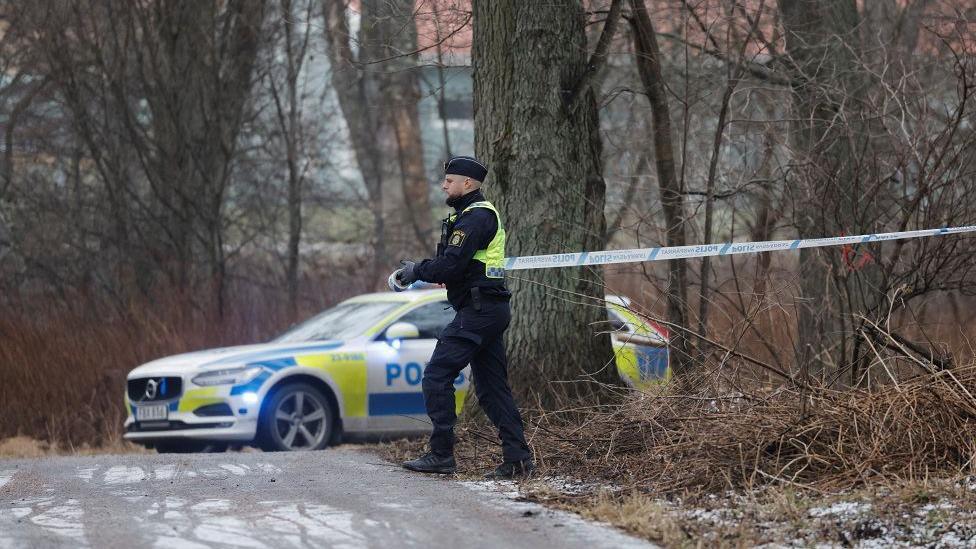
(544, 158)
(397, 35)
(378, 94)
(232, 79)
(843, 155)
(897, 24)
(441, 82)
(821, 40)
(356, 90)
(766, 218)
(734, 75)
(160, 87)
(672, 200)
(289, 115)
(13, 117)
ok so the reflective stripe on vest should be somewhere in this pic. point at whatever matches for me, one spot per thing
(494, 255)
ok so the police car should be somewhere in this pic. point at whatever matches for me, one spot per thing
(355, 368)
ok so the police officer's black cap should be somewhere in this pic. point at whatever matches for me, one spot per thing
(466, 166)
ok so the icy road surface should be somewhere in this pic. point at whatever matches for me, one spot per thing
(332, 498)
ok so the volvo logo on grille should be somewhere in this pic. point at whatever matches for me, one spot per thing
(152, 388)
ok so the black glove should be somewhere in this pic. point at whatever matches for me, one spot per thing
(408, 274)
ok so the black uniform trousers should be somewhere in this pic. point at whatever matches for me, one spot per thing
(475, 337)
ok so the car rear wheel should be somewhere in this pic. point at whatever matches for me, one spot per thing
(297, 417)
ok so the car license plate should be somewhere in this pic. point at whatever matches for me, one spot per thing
(151, 413)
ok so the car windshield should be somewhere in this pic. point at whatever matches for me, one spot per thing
(343, 321)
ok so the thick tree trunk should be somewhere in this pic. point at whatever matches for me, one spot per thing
(830, 137)
(546, 177)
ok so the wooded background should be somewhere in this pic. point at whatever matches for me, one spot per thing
(170, 165)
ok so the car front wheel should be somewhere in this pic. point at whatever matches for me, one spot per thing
(298, 417)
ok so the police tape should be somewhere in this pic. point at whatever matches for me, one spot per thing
(640, 255)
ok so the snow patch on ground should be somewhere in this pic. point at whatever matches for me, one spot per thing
(930, 507)
(329, 526)
(573, 487)
(239, 470)
(6, 475)
(171, 542)
(164, 472)
(86, 473)
(121, 474)
(268, 468)
(64, 520)
(214, 522)
(844, 508)
(711, 516)
(869, 524)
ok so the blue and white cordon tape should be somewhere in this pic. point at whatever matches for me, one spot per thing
(639, 255)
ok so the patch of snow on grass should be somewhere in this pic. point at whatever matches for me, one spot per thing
(929, 507)
(711, 516)
(843, 508)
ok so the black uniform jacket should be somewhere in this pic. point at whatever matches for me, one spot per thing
(454, 264)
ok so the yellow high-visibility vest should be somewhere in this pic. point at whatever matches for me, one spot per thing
(494, 255)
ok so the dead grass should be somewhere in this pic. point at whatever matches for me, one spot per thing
(812, 438)
(64, 361)
(27, 447)
(24, 447)
(799, 464)
(880, 516)
(638, 514)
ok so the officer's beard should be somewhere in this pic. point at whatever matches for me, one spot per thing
(453, 201)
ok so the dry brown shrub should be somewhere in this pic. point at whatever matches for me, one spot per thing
(64, 361)
(27, 447)
(24, 447)
(808, 436)
(811, 437)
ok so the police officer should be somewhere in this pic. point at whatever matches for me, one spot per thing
(469, 262)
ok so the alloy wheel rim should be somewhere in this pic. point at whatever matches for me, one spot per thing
(300, 421)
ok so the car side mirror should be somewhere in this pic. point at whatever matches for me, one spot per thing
(617, 325)
(401, 330)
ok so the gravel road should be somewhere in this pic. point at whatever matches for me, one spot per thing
(333, 498)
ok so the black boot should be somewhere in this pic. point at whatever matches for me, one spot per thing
(512, 469)
(432, 463)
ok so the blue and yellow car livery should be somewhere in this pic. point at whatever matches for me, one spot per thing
(355, 368)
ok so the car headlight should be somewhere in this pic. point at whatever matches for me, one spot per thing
(230, 376)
